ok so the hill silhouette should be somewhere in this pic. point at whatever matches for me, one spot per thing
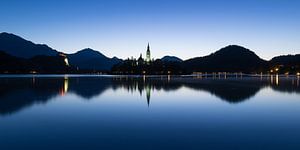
(89, 59)
(287, 64)
(171, 59)
(18, 55)
(15, 48)
(19, 47)
(286, 60)
(232, 58)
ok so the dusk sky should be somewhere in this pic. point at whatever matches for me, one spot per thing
(185, 28)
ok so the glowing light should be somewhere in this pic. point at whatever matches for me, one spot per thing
(298, 74)
(277, 69)
(65, 58)
(271, 71)
(66, 61)
(33, 72)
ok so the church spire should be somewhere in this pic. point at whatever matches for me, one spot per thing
(148, 54)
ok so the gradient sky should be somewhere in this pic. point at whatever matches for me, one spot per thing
(185, 28)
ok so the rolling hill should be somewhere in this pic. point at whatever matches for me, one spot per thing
(89, 59)
(232, 58)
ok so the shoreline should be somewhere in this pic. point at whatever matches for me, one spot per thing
(150, 76)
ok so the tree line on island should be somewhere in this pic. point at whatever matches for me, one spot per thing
(18, 55)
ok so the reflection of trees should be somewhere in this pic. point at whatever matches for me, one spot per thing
(89, 87)
(19, 93)
(145, 84)
(285, 84)
(232, 91)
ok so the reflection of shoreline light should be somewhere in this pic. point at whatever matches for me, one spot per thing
(33, 80)
(66, 84)
(274, 80)
(65, 88)
(298, 81)
(271, 78)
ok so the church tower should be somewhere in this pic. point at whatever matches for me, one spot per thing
(148, 55)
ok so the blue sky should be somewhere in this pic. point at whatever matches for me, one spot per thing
(185, 28)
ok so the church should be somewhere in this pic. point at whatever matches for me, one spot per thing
(148, 54)
(148, 57)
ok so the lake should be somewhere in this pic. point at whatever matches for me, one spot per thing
(153, 112)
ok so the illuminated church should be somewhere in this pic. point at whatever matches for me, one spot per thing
(148, 57)
(148, 54)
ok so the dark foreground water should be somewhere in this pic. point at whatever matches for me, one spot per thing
(106, 112)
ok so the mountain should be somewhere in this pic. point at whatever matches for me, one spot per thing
(19, 55)
(89, 59)
(19, 47)
(171, 59)
(232, 58)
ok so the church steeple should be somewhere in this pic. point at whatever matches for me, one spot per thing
(148, 54)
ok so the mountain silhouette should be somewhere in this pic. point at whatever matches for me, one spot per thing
(231, 58)
(19, 47)
(171, 59)
(16, 49)
(89, 59)
(18, 55)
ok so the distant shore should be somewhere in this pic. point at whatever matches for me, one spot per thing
(209, 75)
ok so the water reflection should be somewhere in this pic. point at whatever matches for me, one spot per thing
(19, 93)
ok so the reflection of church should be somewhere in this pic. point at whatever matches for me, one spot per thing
(148, 94)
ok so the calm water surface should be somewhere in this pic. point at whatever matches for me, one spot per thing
(110, 112)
